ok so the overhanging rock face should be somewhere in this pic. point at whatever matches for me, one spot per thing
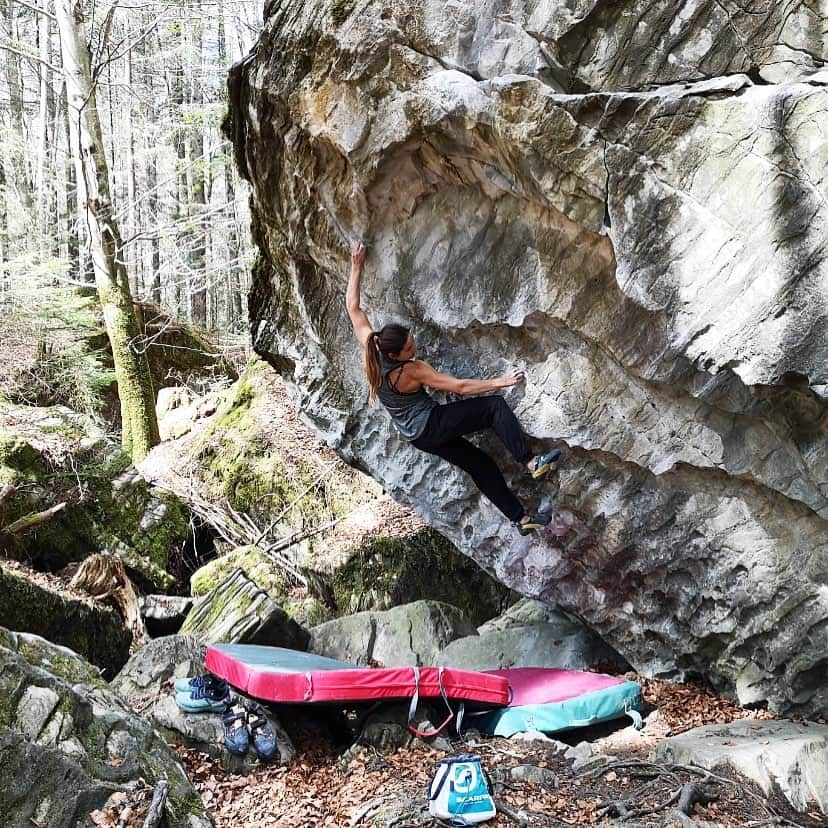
(627, 200)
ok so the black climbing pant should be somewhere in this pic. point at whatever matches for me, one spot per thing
(443, 436)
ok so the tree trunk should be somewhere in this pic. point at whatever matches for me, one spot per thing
(139, 424)
(4, 232)
(177, 98)
(41, 186)
(154, 217)
(198, 196)
(71, 198)
(132, 222)
(20, 179)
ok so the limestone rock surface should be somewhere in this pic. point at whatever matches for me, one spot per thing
(545, 639)
(409, 635)
(153, 668)
(784, 755)
(92, 630)
(627, 200)
(68, 744)
(238, 610)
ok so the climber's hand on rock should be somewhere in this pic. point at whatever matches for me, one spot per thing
(512, 377)
(358, 255)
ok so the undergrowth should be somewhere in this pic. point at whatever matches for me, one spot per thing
(57, 359)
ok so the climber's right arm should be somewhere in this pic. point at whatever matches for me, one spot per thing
(362, 327)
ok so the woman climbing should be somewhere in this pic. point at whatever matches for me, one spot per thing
(398, 380)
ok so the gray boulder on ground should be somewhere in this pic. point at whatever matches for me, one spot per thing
(205, 732)
(68, 745)
(789, 756)
(164, 614)
(238, 611)
(409, 635)
(386, 729)
(530, 635)
(94, 631)
(627, 203)
(152, 669)
(145, 683)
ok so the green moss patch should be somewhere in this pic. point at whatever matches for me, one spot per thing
(385, 572)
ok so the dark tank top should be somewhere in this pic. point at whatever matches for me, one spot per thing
(409, 411)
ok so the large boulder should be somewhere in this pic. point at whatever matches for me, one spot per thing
(648, 248)
(267, 575)
(94, 631)
(146, 684)
(530, 634)
(69, 746)
(151, 670)
(382, 570)
(239, 610)
(409, 635)
(363, 551)
(791, 757)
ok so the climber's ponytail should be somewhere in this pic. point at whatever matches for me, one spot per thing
(390, 340)
(373, 368)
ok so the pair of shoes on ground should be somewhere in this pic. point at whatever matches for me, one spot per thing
(202, 694)
(249, 725)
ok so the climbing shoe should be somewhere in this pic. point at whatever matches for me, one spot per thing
(264, 739)
(545, 463)
(534, 523)
(188, 684)
(205, 699)
(236, 735)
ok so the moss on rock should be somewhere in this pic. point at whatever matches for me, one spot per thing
(387, 571)
(62, 457)
(251, 560)
(266, 574)
(250, 454)
(95, 631)
(20, 459)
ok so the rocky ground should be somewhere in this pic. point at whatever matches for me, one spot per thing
(537, 783)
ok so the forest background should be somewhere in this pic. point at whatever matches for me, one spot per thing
(159, 73)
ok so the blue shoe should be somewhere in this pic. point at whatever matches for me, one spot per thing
(203, 700)
(236, 738)
(545, 463)
(534, 523)
(264, 739)
(187, 684)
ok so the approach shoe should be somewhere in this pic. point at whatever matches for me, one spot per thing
(188, 684)
(534, 523)
(545, 463)
(236, 736)
(205, 700)
(264, 739)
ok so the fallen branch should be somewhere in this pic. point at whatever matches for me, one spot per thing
(513, 815)
(368, 809)
(28, 522)
(773, 818)
(676, 815)
(155, 812)
(694, 792)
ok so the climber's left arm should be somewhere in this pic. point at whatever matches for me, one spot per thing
(359, 320)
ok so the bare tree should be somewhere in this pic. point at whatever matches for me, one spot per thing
(139, 424)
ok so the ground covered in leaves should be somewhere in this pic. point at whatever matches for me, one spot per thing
(535, 785)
